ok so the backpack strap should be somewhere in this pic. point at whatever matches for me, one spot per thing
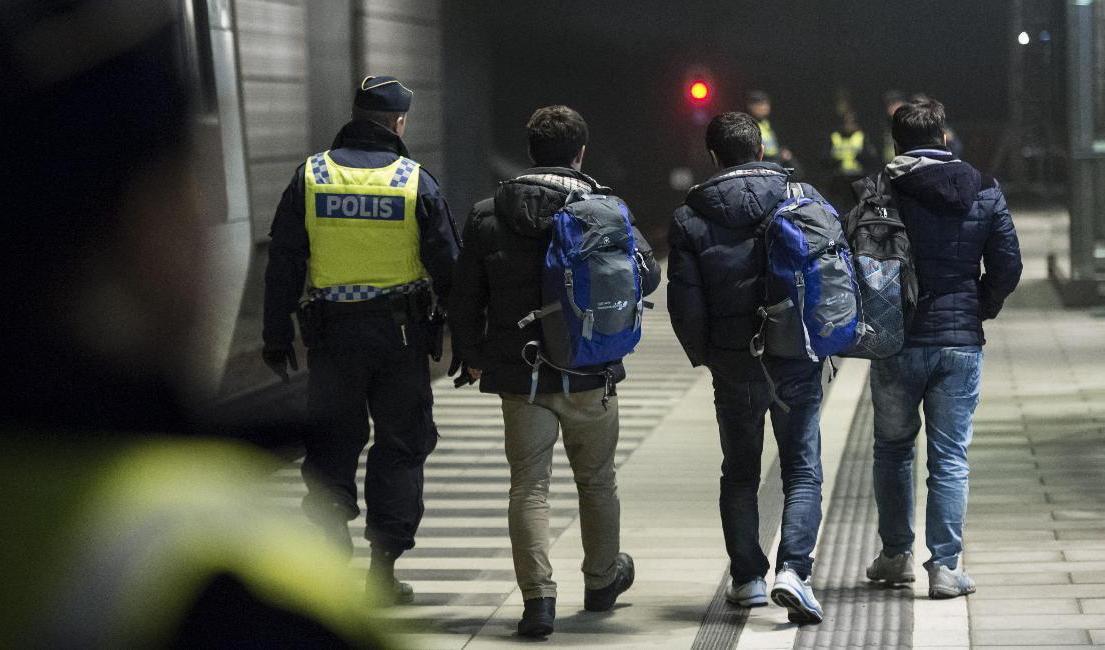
(539, 360)
(548, 309)
(795, 191)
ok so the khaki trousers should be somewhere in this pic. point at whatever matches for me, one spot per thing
(590, 439)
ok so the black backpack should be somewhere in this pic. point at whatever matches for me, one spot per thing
(884, 269)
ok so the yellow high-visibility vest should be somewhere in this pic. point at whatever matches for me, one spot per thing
(846, 152)
(131, 532)
(361, 224)
(771, 143)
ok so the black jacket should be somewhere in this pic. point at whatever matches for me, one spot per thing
(716, 265)
(957, 221)
(498, 281)
(363, 145)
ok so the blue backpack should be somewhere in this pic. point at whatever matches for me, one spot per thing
(811, 309)
(591, 288)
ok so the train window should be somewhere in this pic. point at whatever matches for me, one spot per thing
(1099, 70)
(196, 57)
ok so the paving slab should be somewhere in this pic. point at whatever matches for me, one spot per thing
(1035, 534)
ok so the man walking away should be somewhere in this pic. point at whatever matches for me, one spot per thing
(498, 283)
(368, 227)
(716, 285)
(968, 261)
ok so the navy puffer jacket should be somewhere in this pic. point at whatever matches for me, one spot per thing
(716, 265)
(964, 245)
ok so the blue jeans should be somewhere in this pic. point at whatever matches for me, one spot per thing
(741, 407)
(945, 381)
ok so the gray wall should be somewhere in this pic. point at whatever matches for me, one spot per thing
(403, 38)
(272, 48)
(299, 62)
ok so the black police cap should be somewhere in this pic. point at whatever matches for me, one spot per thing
(385, 94)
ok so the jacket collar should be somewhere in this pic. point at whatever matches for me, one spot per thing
(563, 171)
(369, 136)
(756, 168)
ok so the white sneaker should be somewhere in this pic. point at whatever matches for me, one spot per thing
(750, 594)
(892, 570)
(948, 583)
(796, 595)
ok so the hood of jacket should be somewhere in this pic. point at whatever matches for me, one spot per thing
(936, 179)
(528, 202)
(370, 136)
(741, 196)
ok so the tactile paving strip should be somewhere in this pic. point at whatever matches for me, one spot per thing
(722, 625)
(858, 614)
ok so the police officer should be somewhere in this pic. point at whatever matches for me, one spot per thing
(368, 227)
(759, 107)
(850, 154)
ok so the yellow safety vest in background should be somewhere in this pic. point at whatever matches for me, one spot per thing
(771, 143)
(846, 151)
(109, 545)
(361, 224)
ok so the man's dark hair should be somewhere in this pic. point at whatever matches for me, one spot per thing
(735, 138)
(919, 124)
(556, 134)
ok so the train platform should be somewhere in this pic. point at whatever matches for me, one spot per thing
(1035, 535)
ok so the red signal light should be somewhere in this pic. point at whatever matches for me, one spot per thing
(699, 91)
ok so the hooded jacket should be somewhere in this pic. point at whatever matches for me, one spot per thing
(964, 246)
(716, 265)
(497, 280)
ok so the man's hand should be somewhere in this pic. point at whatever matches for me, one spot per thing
(278, 359)
(465, 375)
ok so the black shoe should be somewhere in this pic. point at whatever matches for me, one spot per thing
(601, 600)
(388, 592)
(537, 618)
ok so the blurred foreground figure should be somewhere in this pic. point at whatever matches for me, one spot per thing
(118, 530)
(367, 227)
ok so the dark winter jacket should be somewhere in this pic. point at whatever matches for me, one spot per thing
(498, 280)
(964, 245)
(716, 265)
(363, 145)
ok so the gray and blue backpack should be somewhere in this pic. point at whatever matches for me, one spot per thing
(884, 270)
(591, 289)
(811, 307)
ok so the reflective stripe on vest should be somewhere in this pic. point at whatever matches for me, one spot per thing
(361, 224)
(771, 143)
(846, 151)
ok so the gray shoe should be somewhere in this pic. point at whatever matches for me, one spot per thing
(750, 594)
(892, 570)
(796, 595)
(948, 583)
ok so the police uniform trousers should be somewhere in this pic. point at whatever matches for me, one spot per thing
(360, 368)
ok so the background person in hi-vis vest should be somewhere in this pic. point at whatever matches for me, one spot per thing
(849, 156)
(368, 227)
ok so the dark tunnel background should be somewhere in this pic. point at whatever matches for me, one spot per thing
(624, 64)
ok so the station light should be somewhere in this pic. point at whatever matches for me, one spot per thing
(699, 91)
(1023, 38)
